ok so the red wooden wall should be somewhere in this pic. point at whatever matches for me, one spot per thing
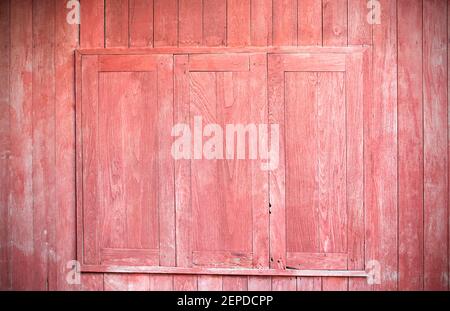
(406, 127)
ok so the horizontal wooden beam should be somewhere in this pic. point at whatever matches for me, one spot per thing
(215, 50)
(223, 271)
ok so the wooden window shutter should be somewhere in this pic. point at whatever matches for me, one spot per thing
(317, 219)
(222, 205)
(140, 210)
(125, 182)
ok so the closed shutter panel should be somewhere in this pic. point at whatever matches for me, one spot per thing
(223, 219)
(317, 191)
(125, 175)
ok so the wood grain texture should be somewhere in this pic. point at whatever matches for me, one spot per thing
(421, 261)
(92, 35)
(259, 177)
(309, 284)
(277, 177)
(302, 191)
(141, 23)
(166, 170)
(165, 19)
(235, 283)
(410, 148)
(183, 207)
(214, 23)
(435, 149)
(359, 30)
(66, 40)
(335, 23)
(261, 22)
(5, 145)
(220, 187)
(116, 23)
(182, 177)
(284, 22)
(332, 218)
(210, 283)
(381, 153)
(284, 284)
(92, 30)
(44, 207)
(238, 22)
(89, 188)
(190, 22)
(358, 77)
(259, 283)
(309, 22)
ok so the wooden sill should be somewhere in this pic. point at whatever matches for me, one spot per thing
(224, 271)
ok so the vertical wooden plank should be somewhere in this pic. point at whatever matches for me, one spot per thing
(358, 284)
(277, 177)
(205, 176)
(410, 145)
(235, 177)
(235, 283)
(141, 34)
(115, 282)
(116, 23)
(66, 38)
(309, 284)
(381, 152)
(259, 283)
(309, 22)
(356, 90)
(334, 22)
(238, 22)
(214, 22)
(141, 201)
(165, 18)
(359, 30)
(4, 144)
(161, 282)
(302, 180)
(43, 144)
(190, 22)
(277, 180)
(92, 32)
(284, 22)
(89, 161)
(105, 220)
(210, 283)
(92, 36)
(435, 145)
(141, 23)
(284, 283)
(185, 282)
(182, 180)
(334, 284)
(127, 282)
(448, 133)
(21, 189)
(166, 169)
(260, 187)
(92, 282)
(138, 282)
(261, 22)
(332, 218)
